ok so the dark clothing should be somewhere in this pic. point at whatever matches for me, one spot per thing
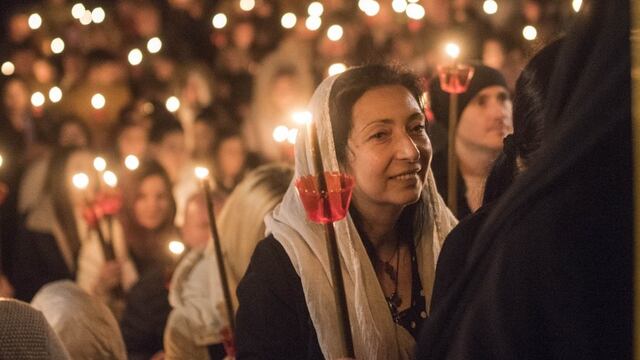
(146, 312)
(273, 321)
(550, 274)
(37, 262)
(455, 253)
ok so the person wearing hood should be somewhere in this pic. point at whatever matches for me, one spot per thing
(550, 274)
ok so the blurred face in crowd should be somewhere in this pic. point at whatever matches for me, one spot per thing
(195, 231)
(232, 156)
(388, 149)
(243, 35)
(152, 204)
(43, 71)
(171, 153)
(16, 99)
(283, 92)
(486, 120)
(72, 133)
(80, 161)
(19, 28)
(133, 140)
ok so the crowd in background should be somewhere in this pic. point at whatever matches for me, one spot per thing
(156, 87)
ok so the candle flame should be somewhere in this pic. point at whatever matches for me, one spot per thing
(452, 50)
(301, 117)
(37, 99)
(131, 162)
(1, 161)
(280, 133)
(176, 247)
(99, 163)
(80, 180)
(110, 178)
(98, 101)
(201, 172)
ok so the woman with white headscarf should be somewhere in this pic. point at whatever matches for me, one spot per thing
(371, 125)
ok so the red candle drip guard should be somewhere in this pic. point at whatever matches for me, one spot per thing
(455, 79)
(330, 206)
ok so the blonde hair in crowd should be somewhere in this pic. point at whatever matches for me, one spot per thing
(241, 220)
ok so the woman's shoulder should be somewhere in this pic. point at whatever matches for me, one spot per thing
(271, 264)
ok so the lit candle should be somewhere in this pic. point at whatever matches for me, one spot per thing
(316, 196)
(454, 79)
(55, 94)
(176, 247)
(100, 164)
(98, 103)
(154, 45)
(1, 161)
(172, 104)
(135, 57)
(131, 162)
(202, 173)
(280, 133)
(110, 178)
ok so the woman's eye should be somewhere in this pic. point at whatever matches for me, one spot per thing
(419, 128)
(378, 136)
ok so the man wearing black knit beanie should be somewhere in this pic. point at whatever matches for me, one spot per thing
(484, 119)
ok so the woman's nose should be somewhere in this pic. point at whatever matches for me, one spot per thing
(407, 149)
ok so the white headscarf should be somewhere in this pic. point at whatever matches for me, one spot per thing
(375, 334)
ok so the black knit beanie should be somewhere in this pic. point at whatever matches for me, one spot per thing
(483, 77)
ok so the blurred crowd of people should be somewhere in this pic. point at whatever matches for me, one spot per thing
(154, 88)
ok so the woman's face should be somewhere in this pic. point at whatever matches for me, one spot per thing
(232, 156)
(388, 149)
(152, 204)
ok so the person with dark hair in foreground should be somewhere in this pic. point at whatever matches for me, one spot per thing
(373, 118)
(550, 273)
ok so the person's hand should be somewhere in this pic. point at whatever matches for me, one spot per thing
(158, 356)
(109, 277)
(6, 290)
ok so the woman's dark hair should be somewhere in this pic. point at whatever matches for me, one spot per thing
(143, 242)
(345, 92)
(528, 122)
(57, 185)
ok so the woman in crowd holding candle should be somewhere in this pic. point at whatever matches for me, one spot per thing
(371, 126)
(195, 292)
(148, 218)
(49, 241)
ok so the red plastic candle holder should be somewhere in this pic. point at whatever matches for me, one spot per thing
(455, 79)
(329, 206)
